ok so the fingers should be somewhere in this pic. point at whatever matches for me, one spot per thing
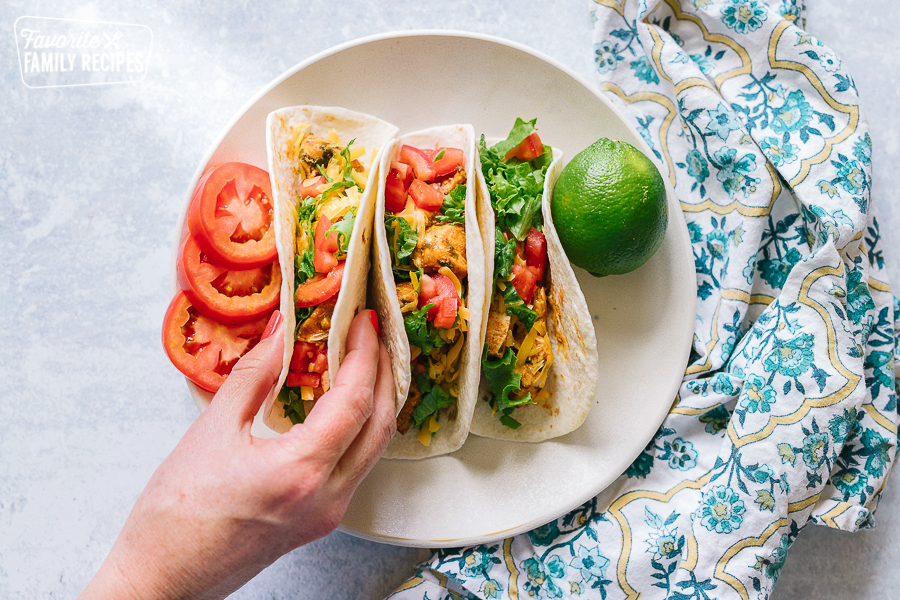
(375, 435)
(340, 414)
(252, 378)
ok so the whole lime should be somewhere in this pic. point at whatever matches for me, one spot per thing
(609, 208)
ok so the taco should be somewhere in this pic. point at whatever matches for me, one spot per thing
(539, 362)
(429, 286)
(323, 169)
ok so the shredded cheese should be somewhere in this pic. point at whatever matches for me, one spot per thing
(356, 152)
(306, 393)
(527, 347)
(333, 137)
(414, 279)
(463, 318)
(541, 380)
(424, 436)
(541, 396)
(414, 352)
(359, 179)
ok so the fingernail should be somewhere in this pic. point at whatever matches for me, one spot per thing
(272, 325)
(373, 316)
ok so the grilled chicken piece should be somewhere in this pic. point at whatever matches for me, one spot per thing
(407, 296)
(497, 329)
(404, 419)
(315, 328)
(315, 151)
(534, 363)
(453, 181)
(442, 246)
(539, 301)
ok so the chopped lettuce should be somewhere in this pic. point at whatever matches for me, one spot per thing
(293, 404)
(516, 187)
(434, 398)
(454, 207)
(402, 239)
(344, 229)
(420, 332)
(515, 306)
(503, 380)
(504, 255)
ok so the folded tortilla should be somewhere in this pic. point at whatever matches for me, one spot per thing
(573, 376)
(283, 128)
(454, 424)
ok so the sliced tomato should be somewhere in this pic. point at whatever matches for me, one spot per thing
(320, 364)
(426, 196)
(438, 289)
(404, 172)
(230, 216)
(304, 353)
(318, 289)
(536, 252)
(422, 166)
(227, 295)
(203, 349)
(449, 161)
(313, 187)
(394, 191)
(531, 147)
(524, 279)
(326, 244)
(295, 379)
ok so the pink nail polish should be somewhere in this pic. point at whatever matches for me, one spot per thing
(272, 325)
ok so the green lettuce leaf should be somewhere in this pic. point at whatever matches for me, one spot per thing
(515, 306)
(293, 404)
(520, 131)
(504, 255)
(434, 398)
(344, 229)
(454, 207)
(420, 332)
(503, 380)
(402, 242)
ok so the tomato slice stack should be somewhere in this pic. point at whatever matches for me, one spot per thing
(229, 273)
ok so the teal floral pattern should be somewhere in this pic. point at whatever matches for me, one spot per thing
(788, 412)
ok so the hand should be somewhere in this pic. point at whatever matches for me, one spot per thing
(224, 505)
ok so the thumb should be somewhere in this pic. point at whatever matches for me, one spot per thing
(252, 378)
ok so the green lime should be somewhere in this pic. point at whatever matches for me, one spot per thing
(610, 208)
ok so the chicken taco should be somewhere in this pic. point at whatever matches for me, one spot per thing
(429, 286)
(539, 362)
(323, 169)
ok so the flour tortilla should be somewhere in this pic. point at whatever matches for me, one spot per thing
(453, 432)
(375, 136)
(572, 381)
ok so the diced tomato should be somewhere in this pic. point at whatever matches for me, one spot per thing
(531, 147)
(394, 191)
(318, 289)
(325, 246)
(448, 163)
(313, 187)
(426, 197)
(524, 279)
(320, 364)
(422, 166)
(230, 216)
(203, 349)
(295, 379)
(439, 290)
(304, 353)
(227, 295)
(536, 252)
(404, 172)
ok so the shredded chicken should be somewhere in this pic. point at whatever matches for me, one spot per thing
(497, 330)
(315, 151)
(315, 328)
(442, 246)
(535, 362)
(404, 419)
(448, 184)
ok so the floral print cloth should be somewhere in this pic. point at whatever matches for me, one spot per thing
(788, 409)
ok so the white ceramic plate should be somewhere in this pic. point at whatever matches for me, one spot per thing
(644, 321)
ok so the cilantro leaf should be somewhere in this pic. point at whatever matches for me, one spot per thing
(344, 229)
(516, 306)
(434, 398)
(420, 333)
(504, 254)
(324, 174)
(503, 379)
(401, 239)
(348, 168)
(303, 267)
(454, 207)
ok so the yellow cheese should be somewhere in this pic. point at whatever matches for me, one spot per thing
(545, 371)
(433, 424)
(424, 436)
(454, 351)
(333, 137)
(414, 279)
(356, 152)
(526, 348)
(359, 179)
(306, 392)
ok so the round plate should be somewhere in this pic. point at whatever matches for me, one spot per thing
(644, 320)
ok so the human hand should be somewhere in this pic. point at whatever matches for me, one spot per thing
(224, 505)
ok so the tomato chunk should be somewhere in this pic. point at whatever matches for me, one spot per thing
(451, 160)
(320, 364)
(230, 216)
(426, 196)
(422, 166)
(203, 349)
(326, 244)
(227, 295)
(531, 147)
(439, 290)
(394, 191)
(536, 252)
(320, 288)
(295, 379)
(404, 172)
(313, 187)
(304, 353)
(524, 279)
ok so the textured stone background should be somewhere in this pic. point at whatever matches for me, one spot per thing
(91, 183)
